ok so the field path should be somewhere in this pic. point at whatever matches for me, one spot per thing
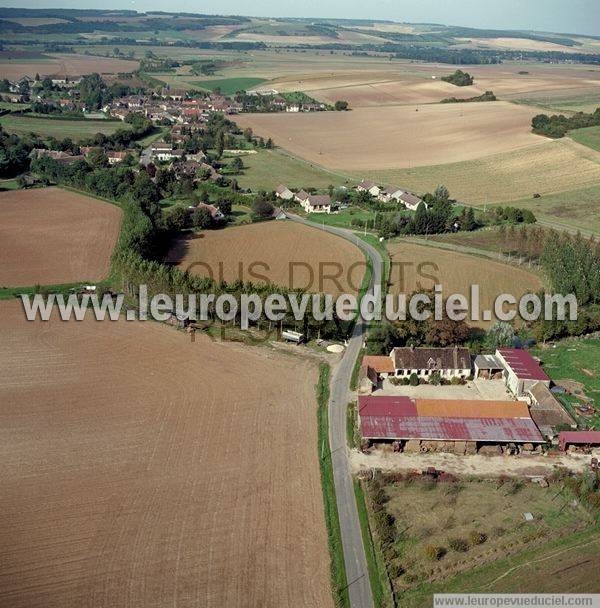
(359, 587)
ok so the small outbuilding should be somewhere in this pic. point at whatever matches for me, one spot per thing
(584, 439)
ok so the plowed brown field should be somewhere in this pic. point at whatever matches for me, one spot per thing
(142, 470)
(50, 236)
(281, 252)
(419, 267)
(66, 65)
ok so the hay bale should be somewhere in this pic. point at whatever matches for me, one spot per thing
(490, 450)
(412, 446)
(470, 448)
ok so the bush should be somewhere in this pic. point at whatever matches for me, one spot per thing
(434, 553)
(477, 538)
(436, 378)
(341, 106)
(460, 545)
(414, 379)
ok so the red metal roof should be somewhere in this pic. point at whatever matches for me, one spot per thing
(370, 405)
(579, 437)
(450, 429)
(523, 364)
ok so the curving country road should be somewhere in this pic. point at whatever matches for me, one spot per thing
(359, 587)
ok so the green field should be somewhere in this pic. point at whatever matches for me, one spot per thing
(229, 86)
(586, 102)
(469, 535)
(269, 168)
(576, 360)
(571, 209)
(590, 137)
(343, 218)
(562, 566)
(75, 129)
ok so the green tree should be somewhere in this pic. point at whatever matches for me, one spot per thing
(202, 217)
(237, 165)
(97, 158)
(340, 105)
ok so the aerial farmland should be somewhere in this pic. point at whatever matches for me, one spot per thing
(51, 236)
(207, 444)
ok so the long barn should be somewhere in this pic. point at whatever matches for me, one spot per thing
(401, 418)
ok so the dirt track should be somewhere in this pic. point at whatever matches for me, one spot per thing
(50, 236)
(143, 470)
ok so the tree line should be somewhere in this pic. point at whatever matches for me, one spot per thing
(558, 125)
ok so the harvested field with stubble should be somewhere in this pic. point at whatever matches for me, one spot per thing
(143, 470)
(555, 166)
(281, 252)
(420, 267)
(50, 236)
(67, 64)
(394, 137)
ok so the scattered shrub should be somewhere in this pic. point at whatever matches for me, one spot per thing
(434, 553)
(460, 545)
(477, 538)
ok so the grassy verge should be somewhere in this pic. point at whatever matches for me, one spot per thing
(380, 584)
(7, 293)
(334, 535)
(352, 437)
(381, 248)
(356, 370)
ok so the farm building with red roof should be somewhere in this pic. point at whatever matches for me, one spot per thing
(400, 418)
(578, 438)
(521, 370)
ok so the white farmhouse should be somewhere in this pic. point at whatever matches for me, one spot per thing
(284, 193)
(317, 204)
(368, 186)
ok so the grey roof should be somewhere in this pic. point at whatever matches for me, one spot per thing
(431, 358)
(487, 362)
(409, 198)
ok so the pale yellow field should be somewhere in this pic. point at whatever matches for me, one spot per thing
(519, 44)
(555, 166)
(419, 267)
(393, 137)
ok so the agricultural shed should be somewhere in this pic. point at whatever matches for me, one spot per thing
(486, 366)
(546, 410)
(585, 438)
(402, 418)
(521, 370)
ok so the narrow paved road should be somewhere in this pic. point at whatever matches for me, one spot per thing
(359, 587)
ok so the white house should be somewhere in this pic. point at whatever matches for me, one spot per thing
(390, 194)
(164, 151)
(317, 204)
(284, 193)
(367, 186)
(450, 362)
(301, 197)
(412, 201)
